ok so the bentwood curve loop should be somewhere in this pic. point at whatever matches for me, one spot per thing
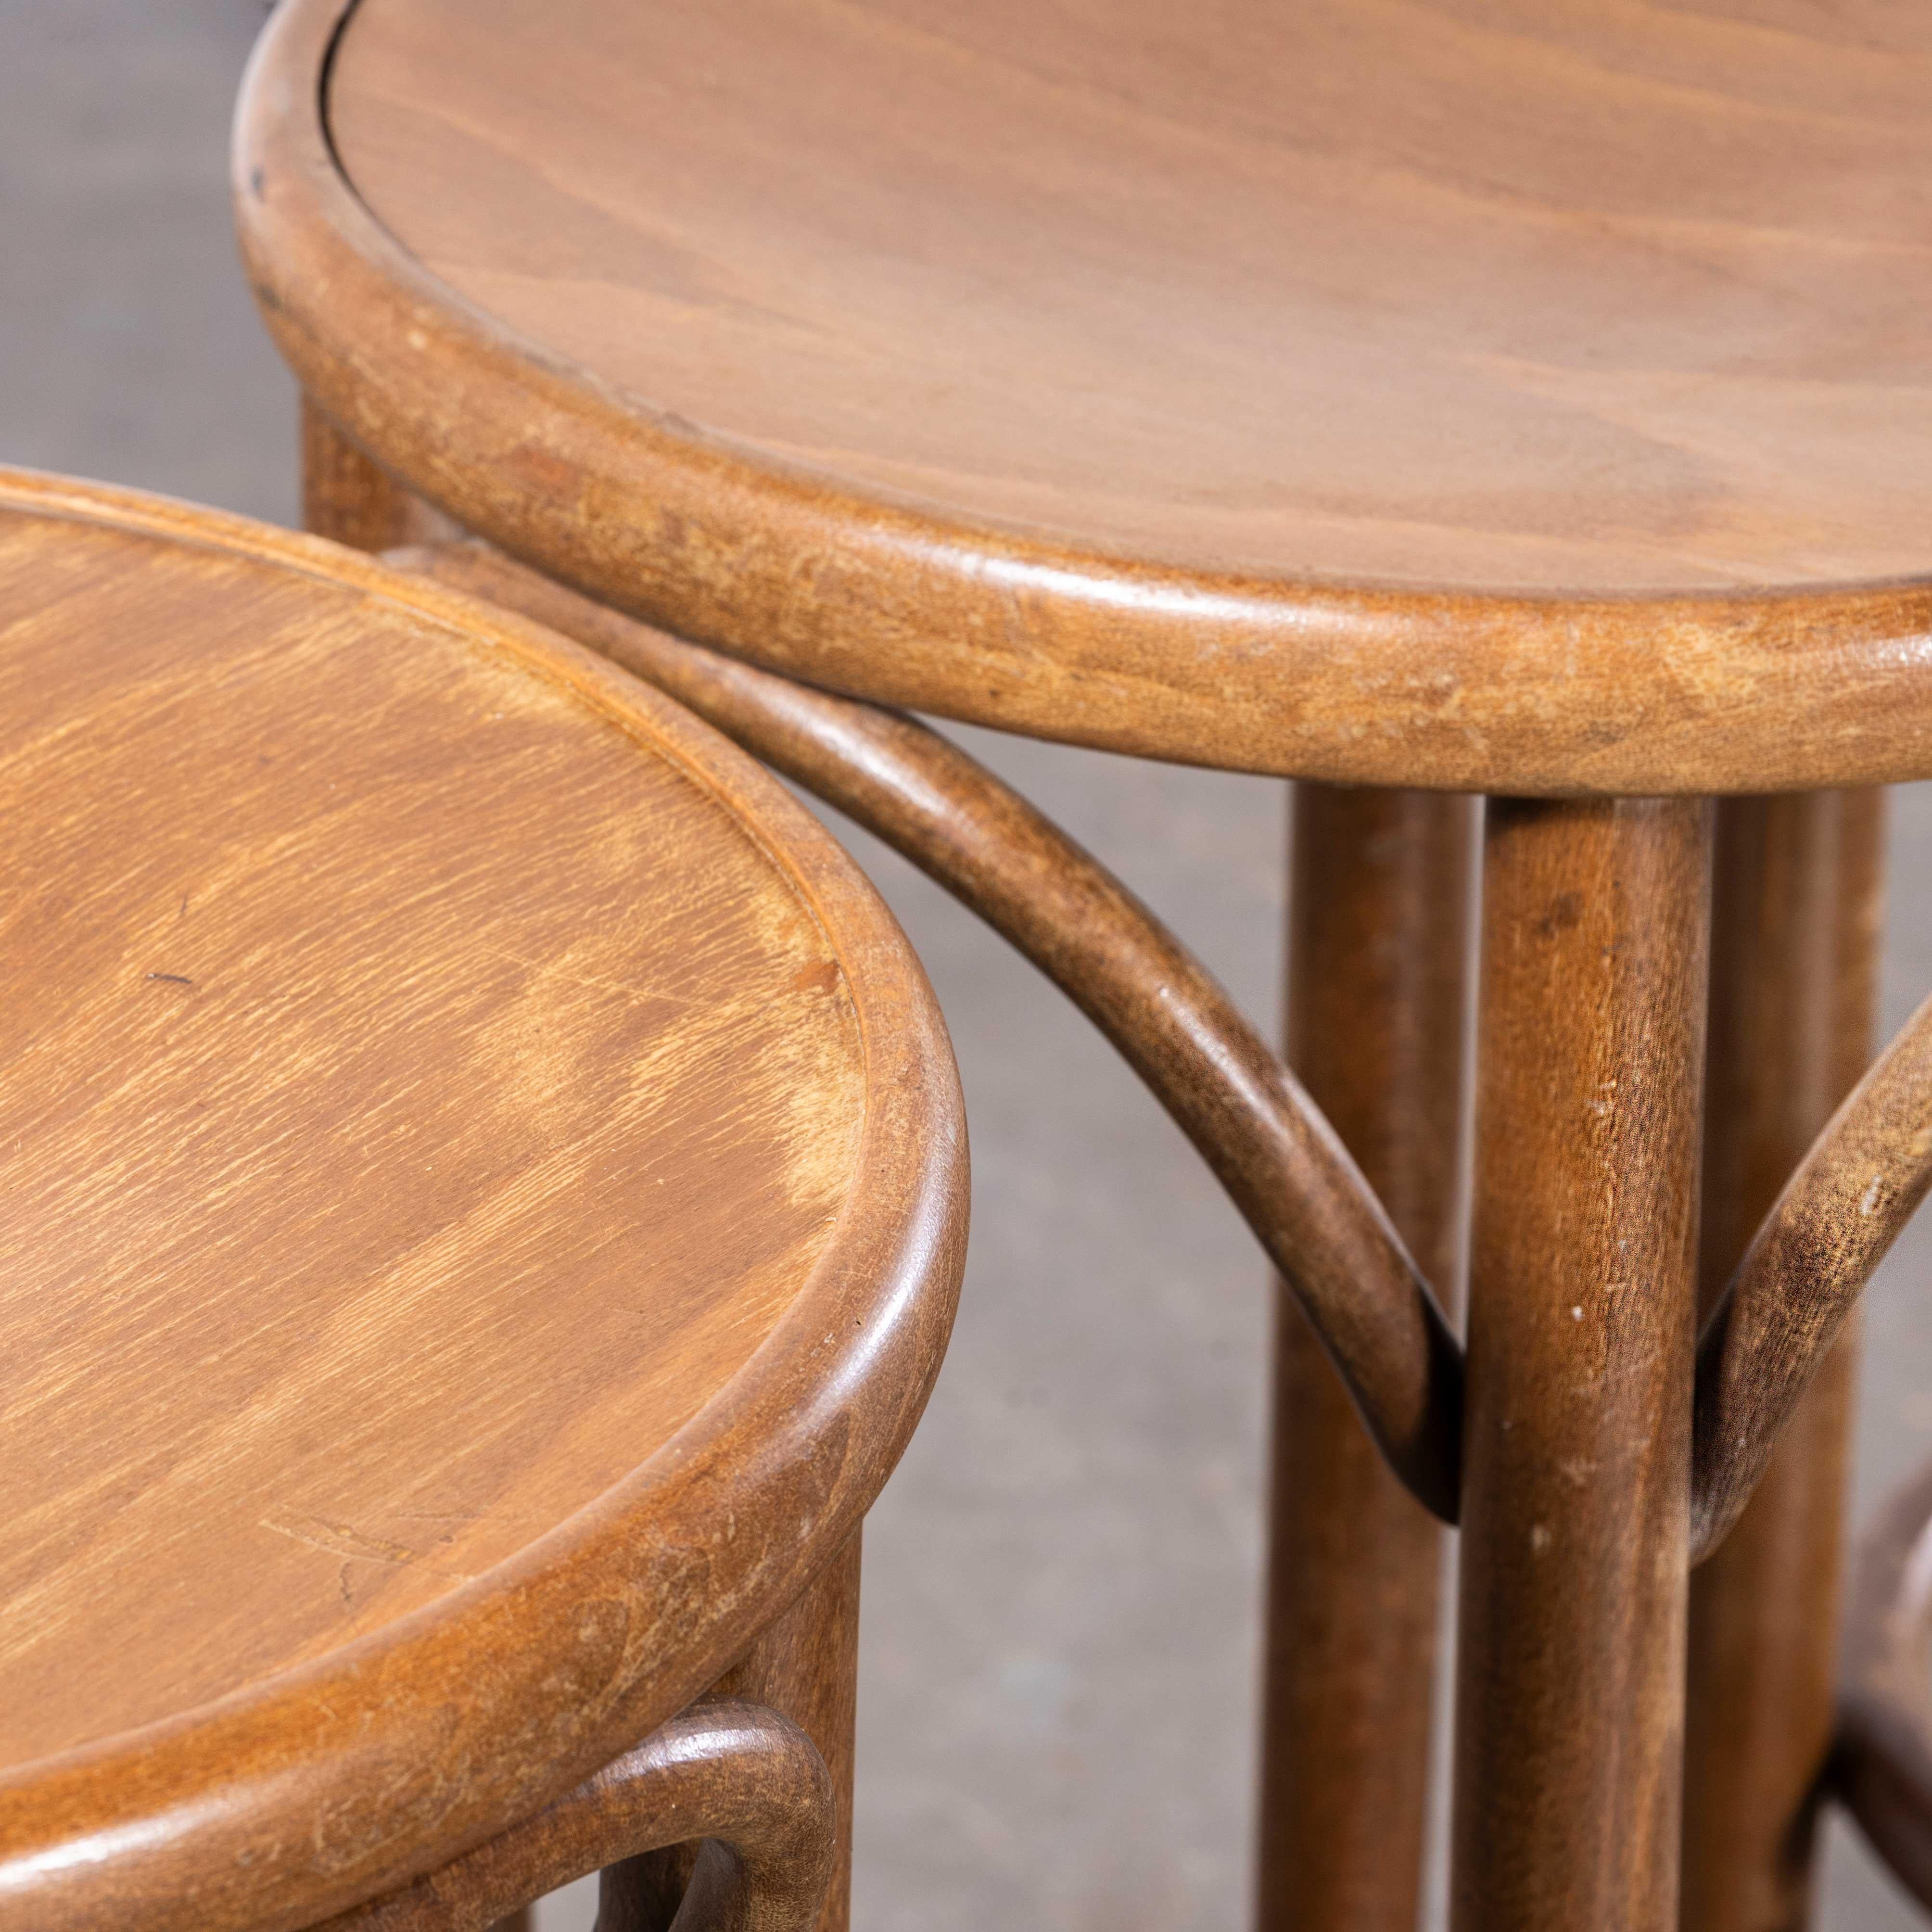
(486, 1200)
(1448, 487)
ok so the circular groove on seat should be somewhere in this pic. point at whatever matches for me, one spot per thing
(1463, 395)
(1491, 294)
(481, 1213)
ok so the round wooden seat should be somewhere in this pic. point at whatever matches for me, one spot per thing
(482, 1203)
(1473, 395)
(1507, 397)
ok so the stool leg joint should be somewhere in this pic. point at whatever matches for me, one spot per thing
(741, 1776)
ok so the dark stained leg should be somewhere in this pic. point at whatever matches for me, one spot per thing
(1582, 1292)
(1378, 977)
(1793, 981)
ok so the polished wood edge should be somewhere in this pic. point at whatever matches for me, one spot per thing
(1352, 684)
(1573, 1581)
(318, 1786)
(1286, 1171)
(1881, 1765)
(348, 497)
(1835, 1222)
(723, 1770)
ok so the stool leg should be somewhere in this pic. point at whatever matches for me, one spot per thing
(347, 497)
(1574, 1575)
(1793, 973)
(1378, 979)
(805, 1666)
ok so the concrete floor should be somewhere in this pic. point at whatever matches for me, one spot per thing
(1061, 1581)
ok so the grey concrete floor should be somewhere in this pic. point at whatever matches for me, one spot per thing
(1060, 1630)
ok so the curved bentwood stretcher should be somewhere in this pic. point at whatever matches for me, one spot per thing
(1291, 1178)
(689, 554)
(1286, 1170)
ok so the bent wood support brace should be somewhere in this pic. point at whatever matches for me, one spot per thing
(741, 1777)
(1881, 1767)
(1835, 1222)
(1282, 1166)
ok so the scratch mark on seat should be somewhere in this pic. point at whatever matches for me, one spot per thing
(338, 1539)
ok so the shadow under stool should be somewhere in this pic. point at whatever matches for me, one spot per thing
(1474, 401)
(484, 1199)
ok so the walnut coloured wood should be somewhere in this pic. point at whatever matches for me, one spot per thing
(1793, 984)
(1378, 979)
(741, 1777)
(1442, 297)
(1522, 399)
(1881, 1768)
(927, 798)
(346, 496)
(1839, 1213)
(1481, 397)
(1570, 1671)
(486, 1195)
(1290, 1177)
(806, 1665)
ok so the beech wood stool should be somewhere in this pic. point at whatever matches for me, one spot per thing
(1479, 398)
(483, 1203)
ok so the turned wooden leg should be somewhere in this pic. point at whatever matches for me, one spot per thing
(805, 1667)
(1378, 977)
(1575, 1497)
(1793, 983)
(346, 496)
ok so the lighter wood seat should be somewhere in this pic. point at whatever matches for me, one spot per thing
(481, 1211)
(1513, 396)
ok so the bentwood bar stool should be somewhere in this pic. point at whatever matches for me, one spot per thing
(482, 1203)
(1531, 401)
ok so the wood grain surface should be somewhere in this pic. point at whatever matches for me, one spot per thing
(1794, 984)
(749, 1778)
(1281, 1163)
(1583, 1283)
(1486, 292)
(346, 497)
(804, 1665)
(1836, 1218)
(481, 1213)
(1379, 969)
(1478, 396)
